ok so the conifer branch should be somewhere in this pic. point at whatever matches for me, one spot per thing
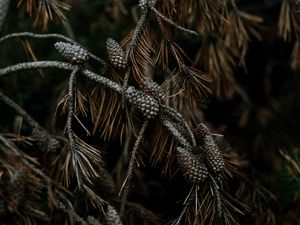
(40, 36)
(176, 134)
(4, 98)
(127, 182)
(47, 36)
(173, 114)
(61, 65)
(125, 86)
(187, 203)
(71, 97)
(46, 141)
(137, 31)
(161, 16)
(132, 45)
(217, 196)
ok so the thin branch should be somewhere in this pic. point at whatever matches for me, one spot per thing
(174, 131)
(71, 91)
(173, 114)
(125, 86)
(41, 36)
(125, 186)
(132, 45)
(46, 36)
(20, 111)
(61, 65)
(217, 196)
(171, 22)
(187, 203)
(138, 30)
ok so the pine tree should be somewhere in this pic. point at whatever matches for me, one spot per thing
(149, 112)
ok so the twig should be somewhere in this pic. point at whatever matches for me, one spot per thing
(173, 130)
(187, 203)
(171, 22)
(33, 35)
(173, 114)
(125, 86)
(71, 91)
(61, 65)
(125, 186)
(20, 111)
(46, 36)
(216, 193)
(138, 30)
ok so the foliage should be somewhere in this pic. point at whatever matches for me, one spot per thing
(149, 112)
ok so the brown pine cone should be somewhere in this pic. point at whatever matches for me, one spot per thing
(154, 89)
(74, 53)
(116, 54)
(192, 167)
(212, 154)
(146, 104)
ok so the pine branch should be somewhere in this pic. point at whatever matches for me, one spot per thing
(132, 45)
(20, 111)
(217, 196)
(176, 134)
(61, 65)
(186, 205)
(71, 98)
(125, 86)
(137, 32)
(47, 36)
(127, 182)
(44, 139)
(174, 115)
(161, 16)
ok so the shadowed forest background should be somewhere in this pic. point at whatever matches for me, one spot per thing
(150, 112)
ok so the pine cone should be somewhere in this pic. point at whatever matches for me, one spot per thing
(4, 5)
(211, 151)
(146, 104)
(153, 89)
(45, 141)
(193, 169)
(213, 155)
(12, 186)
(200, 132)
(116, 54)
(73, 53)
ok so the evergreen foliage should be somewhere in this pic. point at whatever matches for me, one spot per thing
(149, 112)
